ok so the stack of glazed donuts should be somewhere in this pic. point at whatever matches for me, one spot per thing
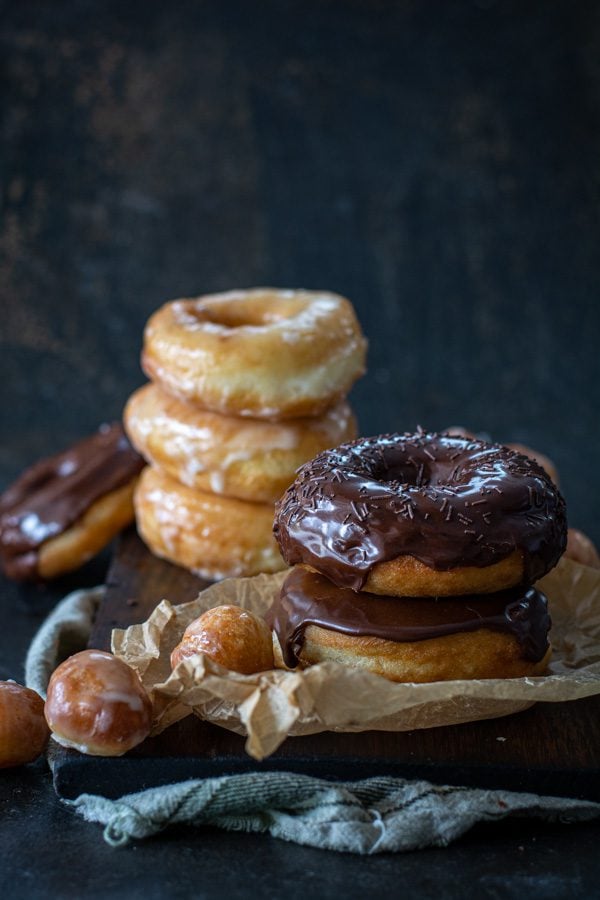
(245, 387)
(415, 558)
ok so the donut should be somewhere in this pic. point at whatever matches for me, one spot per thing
(96, 704)
(423, 515)
(504, 635)
(540, 458)
(23, 730)
(250, 459)
(233, 637)
(215, 537)
(61, 511)
(263, 353)
(581, 549)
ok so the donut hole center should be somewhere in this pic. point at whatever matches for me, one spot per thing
(395, 466)
(407, 474)
(416, 469)
(256, 309)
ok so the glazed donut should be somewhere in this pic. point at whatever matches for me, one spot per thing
(64, 509)
(215, 537)
(23, 730)
(245, 458)
(264, 353)
(423, 515)
(231, 636)
(581, 549)
(407, 639)
(96, 704)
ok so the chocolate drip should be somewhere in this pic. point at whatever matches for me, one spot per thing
(446, 501)
(55, 492)
(308, 598)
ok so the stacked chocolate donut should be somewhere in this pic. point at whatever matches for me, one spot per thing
(246, 386)
(415, 558)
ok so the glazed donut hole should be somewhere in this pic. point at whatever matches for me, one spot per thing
(23, 729)
(235, 638)
(97, 704)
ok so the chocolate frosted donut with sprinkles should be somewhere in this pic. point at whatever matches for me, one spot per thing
(421, 515)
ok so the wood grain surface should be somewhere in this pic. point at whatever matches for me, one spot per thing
(550, 749)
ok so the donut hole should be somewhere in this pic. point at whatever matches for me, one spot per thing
(413, 470)
(407, 475)
(235, 311)
(395, 468)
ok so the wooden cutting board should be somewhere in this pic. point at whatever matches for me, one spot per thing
(549, 749)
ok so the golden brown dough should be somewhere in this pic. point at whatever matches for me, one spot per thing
(97, 705)
(104, 519)
(406, 576)
(233, 637)
(23, 730)
(466, 655)
(216, 537)
(263, 353)
(250, 459)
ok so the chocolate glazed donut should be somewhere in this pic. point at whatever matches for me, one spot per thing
(65, 508)
(308, 599)
(443, 505)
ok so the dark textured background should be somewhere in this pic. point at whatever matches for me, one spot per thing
(437, 162)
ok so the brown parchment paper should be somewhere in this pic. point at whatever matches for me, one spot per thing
(270, 706)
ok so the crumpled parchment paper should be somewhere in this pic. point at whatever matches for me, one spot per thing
(270, 706)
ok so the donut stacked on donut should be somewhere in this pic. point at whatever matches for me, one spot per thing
(245, 387)
(415, 557)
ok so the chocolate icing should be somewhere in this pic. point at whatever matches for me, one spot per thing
(55, 492)
(447, 501)
(308, 598)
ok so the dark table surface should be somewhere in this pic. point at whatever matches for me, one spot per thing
(437, 162)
